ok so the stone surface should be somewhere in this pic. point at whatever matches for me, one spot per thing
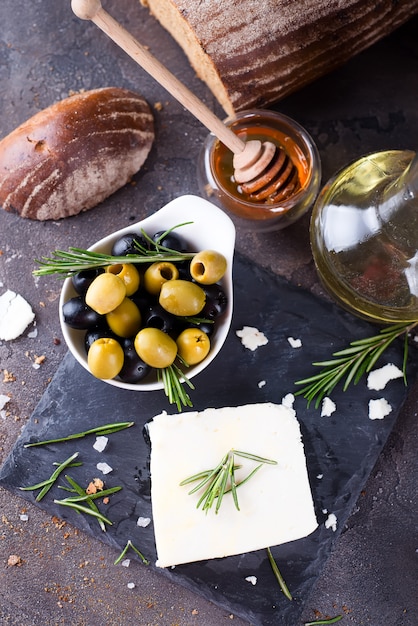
(369, 104)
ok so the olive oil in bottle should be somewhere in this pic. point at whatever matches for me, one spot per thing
(364, 236)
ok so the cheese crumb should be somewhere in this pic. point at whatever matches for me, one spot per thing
(295, 343)
(378, 409)
(143, 522)
(378, 379)
(15, 315)
(331, 522)
(131, 585)
(104, 468)
(126, 563)
(261, 384)
(251, 337)
(3, 401)
(251, 579)
(288, 400)
(328, 407)
(100, 443)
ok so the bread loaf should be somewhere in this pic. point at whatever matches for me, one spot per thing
(252, 53)
(72, 155)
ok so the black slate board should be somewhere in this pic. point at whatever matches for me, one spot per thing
(342, 448)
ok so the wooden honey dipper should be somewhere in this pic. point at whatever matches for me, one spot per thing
(263, 169)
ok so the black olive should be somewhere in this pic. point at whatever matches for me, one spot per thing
(157, 317)
(171, 240)
(216, 301)
(143, 300)
(78, 315)
(99, 332)
(126, 244)
(207, 327)
(82, 280)
(134, 369)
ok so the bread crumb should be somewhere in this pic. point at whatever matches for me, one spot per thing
(14, 560)
(8, 377)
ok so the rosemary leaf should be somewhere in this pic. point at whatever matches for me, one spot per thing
(228, 473)
(107, 429)
(278, 575)
(353, 362)
(331, 620)
(47, 484)
(172, 378)
(93, 496)
(83, 509)
(234, 489)
(254, 457)
(78, 489)
(125, 550)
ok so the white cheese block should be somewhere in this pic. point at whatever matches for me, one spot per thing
(276, 504)
(15, 315)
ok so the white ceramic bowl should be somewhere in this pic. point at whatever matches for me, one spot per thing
(209, 228)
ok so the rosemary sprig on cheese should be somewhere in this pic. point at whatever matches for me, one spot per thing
(353, 362)
(221, 480)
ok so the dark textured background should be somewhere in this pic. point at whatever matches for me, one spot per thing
(367, 105)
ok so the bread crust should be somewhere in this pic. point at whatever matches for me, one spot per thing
(252, 53)
(72, 155)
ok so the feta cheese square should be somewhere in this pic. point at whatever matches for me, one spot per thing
(276, 504)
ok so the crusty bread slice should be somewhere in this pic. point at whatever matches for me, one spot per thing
(74, 154)
(252, 53)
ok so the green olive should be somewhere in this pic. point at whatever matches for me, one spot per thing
(105, 358)
(155, 347)
(182, 297)
(128, 273)
(193, 345)
(105, 293)
(125, 320)
(157, 274)
(208, 266)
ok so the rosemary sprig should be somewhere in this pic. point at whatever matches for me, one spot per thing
(46, 485)
(125, 550)
(221, 480)
(76, 488)
(106, 429)
(172, 378)
(84, 509)
(85, 497)
(278, 575)
(353, 362)
(331, 620)
(77, 259)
